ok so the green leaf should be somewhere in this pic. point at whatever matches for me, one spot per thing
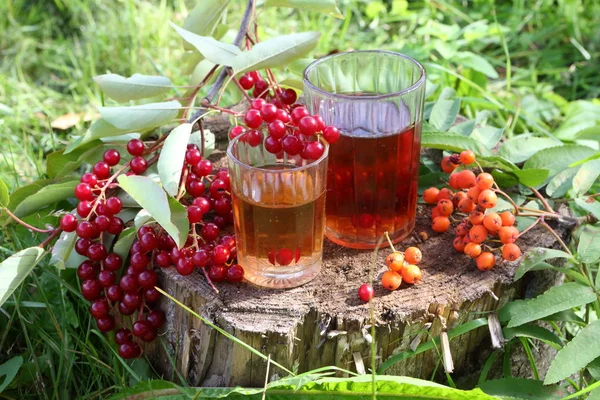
(276, 52)
(590, 205)
(476, 62)
(4, 196)
(452, 142)
(172, 157)
(594, 394)
(323, 6)
(532, 331)
(204, 18)
(488, 135)
(532, 176)
(580, 115)
(44, 197)
(586, 176)
(135, 87)
(557, 298)
(200, 72)
(561, 183)
(557, 159)
(99, 129)
(592, 133)
(9, 370)
(579, 352)
(588, 248)
(443, 114)
(464, 128)
(209, 141)
(522, 147)
(169, 213)
(535, 256)
(213, 50)
(497, 162)
(564, 316)
(15, 269)
(141, 117)
(125, 241)
(63, 255)
(22, 193)
(520, 388)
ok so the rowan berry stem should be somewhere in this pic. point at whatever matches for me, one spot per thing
(558, 238)
(510, 200)
(389, 241)
(537, 221)
(542, 199)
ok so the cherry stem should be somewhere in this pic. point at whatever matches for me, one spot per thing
(237, 83)
(553, 232)
(25, 224)
(192, 96)
(181, 191)
(207, 104)
(105, 188)
(209, 281)
(542, 199)
(390, 241)
(51, 237)
(537, 221)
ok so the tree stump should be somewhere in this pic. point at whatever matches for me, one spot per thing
(323, 323)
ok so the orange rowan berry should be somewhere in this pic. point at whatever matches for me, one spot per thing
(492, 222)
(435, 212)
(440, 224)
(478, 234)
(411, 274)
(472, 249)
(511, 252)
(485, 181)
(391, 280)
(473, 194)
(467, 157)
(413, 255)
(476, 217)
(485, 261)
(457, 197)
(445, 193)
(508, 234)
(430, 195)
(508, 218)
(459, 244)
(487, 199)
(466, 179)
(461, 229)
(453, 181)
(446, 207)
(447, 165)
(466, 206)
(395, 261)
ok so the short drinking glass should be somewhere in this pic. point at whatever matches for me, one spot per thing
(376, 100)
(279, 213)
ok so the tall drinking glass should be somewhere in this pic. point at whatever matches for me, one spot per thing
(279, 214)
(376, 100)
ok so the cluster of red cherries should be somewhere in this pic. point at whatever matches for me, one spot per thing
(472, 199)
(289, 126)
(123, 292)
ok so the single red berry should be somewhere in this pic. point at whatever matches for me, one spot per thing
(106, 323)
(261, 88)
(87, 270)
(82, 245)
(284, 256)
(298, 113)
(139, 261)
(107, 278)
(292, 145)
(86, 230)
(135, 147)
(114, 293)
(123, 335)
(91, 289)
(283, 116)
(195, 214)
(253, 119)
(246, 82)
(313, 151)
(101, 170)
(308, 126)
(218, 189)
(331, 134)
(201, 258)
(366, 292)
(129, 350)
(113, 205)
(217, 273)
(102, 223)
(83, 191)
(163, 259)
(193, 156)
(96, 252)
(151, 295)
(140, 328)
(113, 262)
(148, 241)
(132, 300)
(288, 96)
(257, 104)
(184, 266)
(277, 129)
(254, 138)
(138, 165)
(273, 145)
(203, 168)
(147, 279)
(116, 226)
(236, 131)
(220, 254)
(210, 232)
(156, 318)
(268, 112)
(222, 206)
(129, 283)
(84, 208)
(68, 223)
(203, 203)
(124, 310)
(150, 335)
(234, 273)
(112, 157)
(90, 179)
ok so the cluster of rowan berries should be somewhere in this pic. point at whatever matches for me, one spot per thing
(472, 199)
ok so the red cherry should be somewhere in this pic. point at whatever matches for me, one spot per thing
(132, 300)
(129, 350)
(149, 336)
(114, 293)
(106, 323)
(220, 254)
(129, 283)
(140, 328)
(268, 112)
(273, 145)
(236, 131)
(235, 273)
(217, 273)
(298, 113)
(113, 205)
(116, 226)
(84, 208)
(102, 223)
(288, 96)
(291, 145)
(210, 232)
(90, 179)
(135, 147)
(277, 129)
(96, 252)
(254, 138)
(203, 203)
(257, 104)
(284, 256)
(101, 170)
(331, 134)
(195, 188)
(147, 279)
(253, 119)
(139, 261)
(218, 189)
(99, 308)
(82, 246)
(203, 168)
(246, 82)
(193, 156)
(86, 230)
(366, 292)
(308, 126)
(184, 266)
(91, 289)
(313, 151)
(222, 206)
(261, 88)
(201, 258)
(123, 309)
(68, 223)
(163, 259)
(123, 336)
(156, 318)
(195, 214)
(138, 165)
(148, 241)
(112, 157)
(83, 191)
(87, 270)
(320, 122)
(151, 295)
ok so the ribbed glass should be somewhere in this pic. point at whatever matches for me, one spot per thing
(376, 100)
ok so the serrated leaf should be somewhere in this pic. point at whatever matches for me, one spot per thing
(497, 162)
(62, 252)
(579, 352)
(204, 18)
(488, 135)
(520, 388)
(531, 331)
(323, 6)
(141, 117)
(169, 213)
(213, 50)
(209, 141)
(588, 248)
(276, 52)
(561, 183)
(558, 158)
(9, 370)
(125, 241)
(522, 147)
(452, 142)
(464, 128)
(586, 176)
(15, 269)
(532, 176)
(476, 62)
(4, 196)
(592, 206)
(135, 87)
(535, 256)
(172, 157)
(557, 298)
(45, 196)
(444, 113)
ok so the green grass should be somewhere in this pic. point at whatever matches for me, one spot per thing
(50, 50)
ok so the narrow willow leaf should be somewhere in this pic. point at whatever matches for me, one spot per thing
(520, 388)
(536, 256)
(9, 370)
(579, 352)
(276, 52)
(562, 182)
(452, 142)
(141, 117)
(557, 298)
(586, 176)
(135, 87)
(323, 6)
(15, 269)
(532, 331)
(63, 255)
(4, 196)
(521, 148)
(204, 18)
(213, 50)
(588, 248)
(444, 113)
(46, 196)
(590, 205)
(172, 157)
(557, 159)
(171, 215)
